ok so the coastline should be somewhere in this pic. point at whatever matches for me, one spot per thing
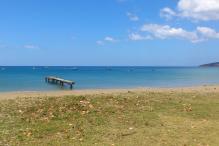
(15, 94)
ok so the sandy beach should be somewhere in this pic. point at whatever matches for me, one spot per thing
(11, 95)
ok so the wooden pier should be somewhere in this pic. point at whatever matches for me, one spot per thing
(61, 82)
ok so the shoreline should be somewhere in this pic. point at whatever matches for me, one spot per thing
(15, 94)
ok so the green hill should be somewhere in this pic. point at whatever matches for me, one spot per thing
(215, 64)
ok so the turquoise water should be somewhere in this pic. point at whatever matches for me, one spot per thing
(32, 78)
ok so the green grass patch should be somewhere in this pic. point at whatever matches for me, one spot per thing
(125, 119)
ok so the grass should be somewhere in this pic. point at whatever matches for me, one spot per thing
(125, 119)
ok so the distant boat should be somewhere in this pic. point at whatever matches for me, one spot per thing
(72, 68)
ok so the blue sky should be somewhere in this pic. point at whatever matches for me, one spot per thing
(109, 32)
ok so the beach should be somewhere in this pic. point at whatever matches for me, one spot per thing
(109, 73)
(12, 95)
(124, 117)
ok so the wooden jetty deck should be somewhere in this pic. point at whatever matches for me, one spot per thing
(55, 80)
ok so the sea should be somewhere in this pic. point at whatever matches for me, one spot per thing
(32, 78)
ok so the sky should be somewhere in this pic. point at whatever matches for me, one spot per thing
(109, 32)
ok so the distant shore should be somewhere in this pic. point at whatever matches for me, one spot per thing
(11, 95)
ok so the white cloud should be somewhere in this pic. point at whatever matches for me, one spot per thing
(165, 31)
(194, 9)
(167, 13)
(105, 40)
(31, 46)
(138, 37)
(132, 17)
(208, 33)
(109, 39)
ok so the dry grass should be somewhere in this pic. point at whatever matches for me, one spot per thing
(133, 118)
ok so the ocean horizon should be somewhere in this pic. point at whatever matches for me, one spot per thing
(32, 78)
